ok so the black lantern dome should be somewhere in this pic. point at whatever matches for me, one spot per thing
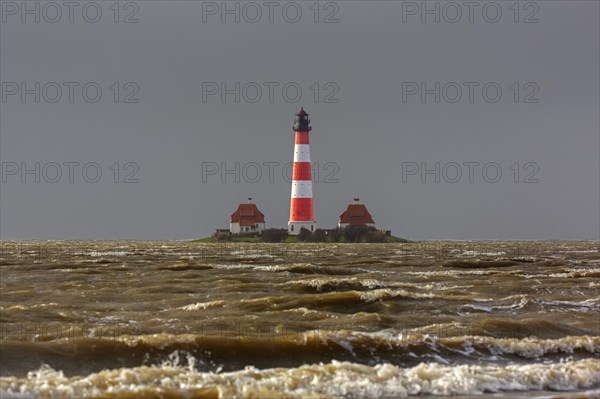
(302, 123)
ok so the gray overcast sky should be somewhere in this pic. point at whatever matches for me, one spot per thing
(361, 67)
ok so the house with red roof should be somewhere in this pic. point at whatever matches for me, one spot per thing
(356, 215)
(247, 219)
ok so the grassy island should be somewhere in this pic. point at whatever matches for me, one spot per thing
(350, 234)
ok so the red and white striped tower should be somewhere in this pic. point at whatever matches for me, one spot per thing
(301, 206)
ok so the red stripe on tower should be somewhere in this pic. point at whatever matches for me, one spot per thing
(301, 206)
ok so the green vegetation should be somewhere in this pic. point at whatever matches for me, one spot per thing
(205, 239)
(396, 239)
(350, 234)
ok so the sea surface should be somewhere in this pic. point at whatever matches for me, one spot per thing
(177, 319)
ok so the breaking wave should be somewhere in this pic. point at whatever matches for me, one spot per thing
(325, 380)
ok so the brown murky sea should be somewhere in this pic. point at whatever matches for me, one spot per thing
(173, 319)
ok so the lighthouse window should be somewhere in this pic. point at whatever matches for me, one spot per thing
(292, 227)
(311, 227)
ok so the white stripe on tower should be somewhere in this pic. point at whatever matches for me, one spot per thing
(302, 189)
(302, 153)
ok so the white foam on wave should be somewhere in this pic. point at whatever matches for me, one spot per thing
(108, 253)
(567, 273)
(264, 268)
(528, 348)
(377, 294)
(29, 307)
(202, 305)
(508, 307)
(330, 380)
(477, 253)
(585, 306)
(251, 254)
(304, 311)
(321, 282)
(451, 273)
(575, 272)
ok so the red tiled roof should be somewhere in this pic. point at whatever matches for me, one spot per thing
(248, 222)
(356, 214)
(247, 215)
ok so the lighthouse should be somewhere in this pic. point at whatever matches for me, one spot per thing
(301, 205)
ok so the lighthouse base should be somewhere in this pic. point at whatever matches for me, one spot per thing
(295, 227)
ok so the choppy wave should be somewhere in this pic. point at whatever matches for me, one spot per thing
(334, 284)
(236, 347)
(479, 263)
(339, 301)
(329, 380)
(203, 305)
(588, 305)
